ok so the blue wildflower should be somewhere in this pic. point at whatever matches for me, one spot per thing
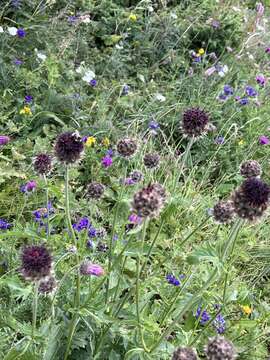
(21, 33)
(17, 62)
(4, 225)
(82, 224)
(220, 140)
(219, 324)
(250, 91)
(125, 89)
(92, 232)
(228, 90)
(110, 152)
(222, 97)
(171, 279)
(93, 82)
(243, 101)
(28, 98)
(202, 315)
(153, 125)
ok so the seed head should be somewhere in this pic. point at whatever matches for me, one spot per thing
(223, 212)
(42, 164)
(149, 201)
(151, 161)
(218, 348)
(136, 176)
(195, 121)
(184, 353)
(95, 190)
(47, 286)
(68, 147)
(250, 168)
(127, 147)
(36, 262)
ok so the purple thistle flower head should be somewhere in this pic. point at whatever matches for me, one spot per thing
(47, 286)
(28, 98)
(250, 91)
(36, 262)
(203, 316)
(68, 147)
(256, 191)
(21, 33)
(4, 225)
(194, 122)
(264, 140)
(228, 90)
(107, 161)
(4, 140)
(87, 268)
(93, 82)
(184, 353)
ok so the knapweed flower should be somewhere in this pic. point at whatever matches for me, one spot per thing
(21, 33)
(250, 91)
(28, 98)
(82, 224)
(220, 348)
(223, 212)
(246, 309)
(93, 82)
(136, 176)
(29, 187)
(88, 268)
(68, 147)
(91, 141)
(4, 140)
(106, 161)
(132, 17)
(261, 80)
(251, 199)
(26, 111)
(202, 315)
(95, 190)
(47, 286)
(184, 353)
(106, 142)
(149, 201)
(126, 147)
(250, 168)
(195, 121)
(264, 140)
(151, 161)
(36, 262)
(42, 163)
(4, 225)
(219, 324)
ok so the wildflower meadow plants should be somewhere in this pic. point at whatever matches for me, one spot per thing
(134, 180)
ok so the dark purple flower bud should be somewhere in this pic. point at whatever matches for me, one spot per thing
(42, 164)
(184, 353)
(250, 168)
(194, 122)
(223, 212)
(149, 201)
(220, 348)
(151, 161)
(68, 147)
(47, 286)
(127, 147)
(95, 190)
(36, 262)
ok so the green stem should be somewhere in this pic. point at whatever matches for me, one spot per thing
(194, 231)
(183, 162)
(35, 305)
(232, 238)
(72, 328)
(47, 206)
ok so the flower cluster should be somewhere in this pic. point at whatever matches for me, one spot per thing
(149, 201)
(4, 225)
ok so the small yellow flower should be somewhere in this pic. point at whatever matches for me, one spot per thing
(26, 111)
(91, 140)
(132, 17)
(201, 52)
(106, 142)
(246, 309)
(241, 142)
